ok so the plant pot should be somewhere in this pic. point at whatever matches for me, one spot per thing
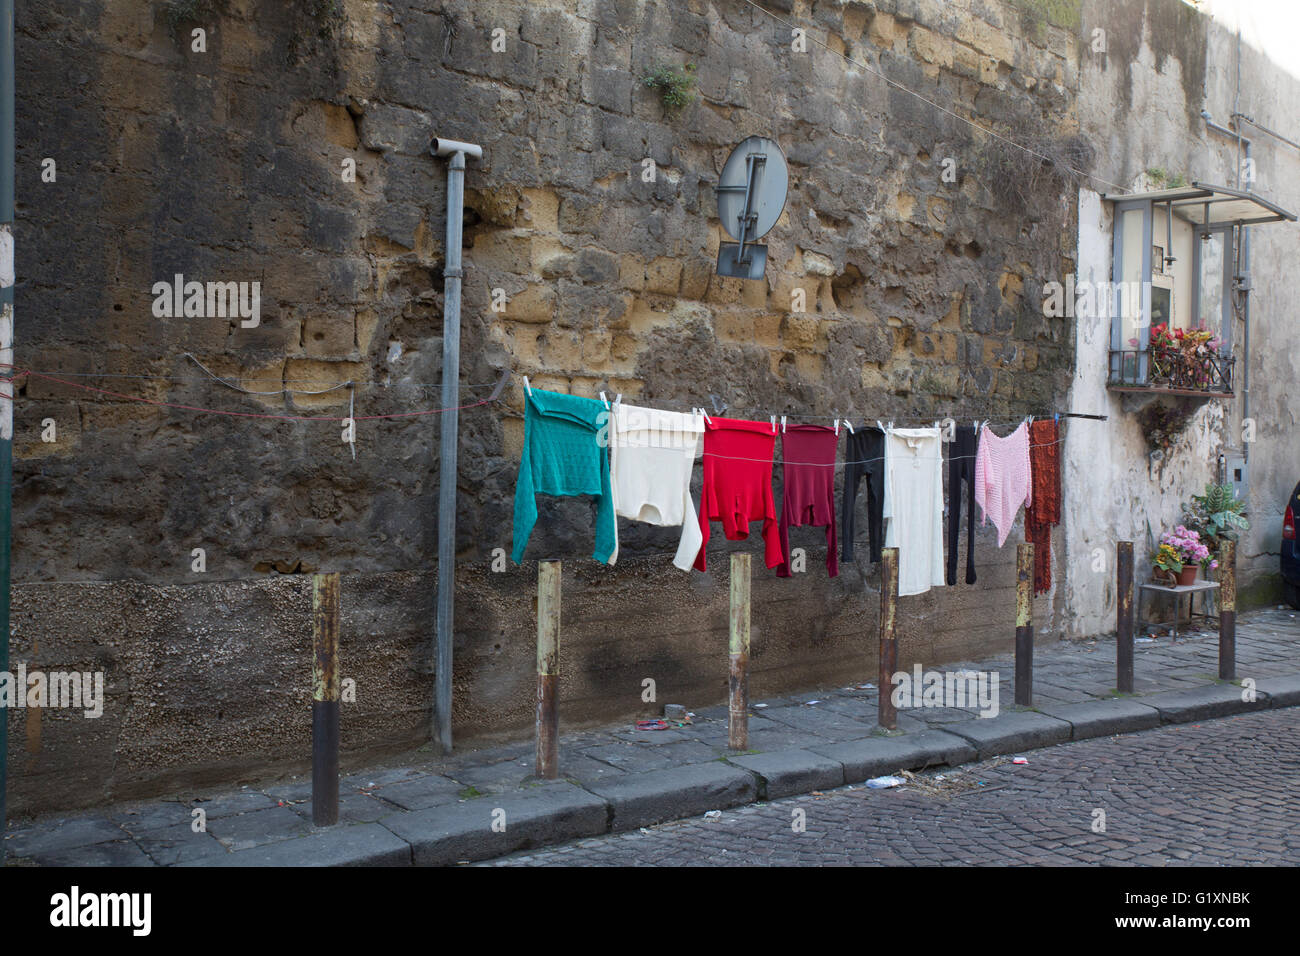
(1187, 575)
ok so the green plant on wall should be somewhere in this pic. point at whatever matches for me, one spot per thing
(1216, 515)
(1036, 15)
(1162, 179)
(675, 84)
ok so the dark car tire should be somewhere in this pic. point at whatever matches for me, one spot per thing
(1292, 594)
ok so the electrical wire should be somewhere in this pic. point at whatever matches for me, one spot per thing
(19, 373)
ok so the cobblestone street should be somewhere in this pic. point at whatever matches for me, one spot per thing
(1226, 792)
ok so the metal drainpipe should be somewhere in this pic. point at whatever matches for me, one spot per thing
(1242, 143)
(449, 434)
(6, 359)
(1245, 313)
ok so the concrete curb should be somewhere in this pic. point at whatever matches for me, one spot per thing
(363, 844)
(559, 811)
(495, 825)
(1204, 703)
(786, 773)
(642, 799)
(877, 756)
(1010, 733)
(1103, 718)
(1281, 691)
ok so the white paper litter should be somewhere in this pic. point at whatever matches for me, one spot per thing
(881, 783)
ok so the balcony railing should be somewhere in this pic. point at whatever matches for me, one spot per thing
(1208, 373)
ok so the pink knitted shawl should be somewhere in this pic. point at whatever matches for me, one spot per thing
(1002, 482)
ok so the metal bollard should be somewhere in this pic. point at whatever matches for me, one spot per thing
(886, 714)
(1228, 611)
(325, 699)
(1124, 617)
(548, 669)
(1024, 625)
(738, 681)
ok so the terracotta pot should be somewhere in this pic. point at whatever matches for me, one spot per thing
(1188, 575)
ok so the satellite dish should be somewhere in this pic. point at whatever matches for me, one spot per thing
(751, 197)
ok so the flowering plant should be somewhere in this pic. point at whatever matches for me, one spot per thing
(1167, 559)
(1186, 356)
(1186, 547)
(1164, 345)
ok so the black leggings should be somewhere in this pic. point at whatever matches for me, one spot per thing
(961, 464)
(864, 457)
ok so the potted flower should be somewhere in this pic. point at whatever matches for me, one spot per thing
(1181, 555)
(1165, 347)
(1166, 564)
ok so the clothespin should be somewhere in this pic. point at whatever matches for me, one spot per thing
(773, 424)
(783, 424)
(527, 388)
(849, 425)
(618, 399)
(837, 427)
(604, 399)
(1056, 418)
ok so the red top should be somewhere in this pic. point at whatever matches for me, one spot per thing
(738, 483)
(808, 488)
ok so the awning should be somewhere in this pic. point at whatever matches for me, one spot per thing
(1203, 204)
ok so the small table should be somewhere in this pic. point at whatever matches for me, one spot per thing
(1190, 590)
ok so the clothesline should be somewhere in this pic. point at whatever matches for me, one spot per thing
(638, 463)
(198, 379)
(862, 461)
(722, 409)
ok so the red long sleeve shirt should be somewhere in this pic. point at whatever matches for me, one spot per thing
(738, 483)
(808, 488)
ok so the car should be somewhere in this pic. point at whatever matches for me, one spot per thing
(1291, 551)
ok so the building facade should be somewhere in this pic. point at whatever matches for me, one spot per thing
(287, 145)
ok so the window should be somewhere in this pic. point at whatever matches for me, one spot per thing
(1173, 289)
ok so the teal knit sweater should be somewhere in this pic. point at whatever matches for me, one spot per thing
(564, 455)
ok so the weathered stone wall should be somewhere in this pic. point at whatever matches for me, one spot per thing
(226, 165)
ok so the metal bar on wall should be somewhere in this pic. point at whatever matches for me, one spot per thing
(449, 435)
(6, 356)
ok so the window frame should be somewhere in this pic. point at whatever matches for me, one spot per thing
(1117, 344)
(1228, 231)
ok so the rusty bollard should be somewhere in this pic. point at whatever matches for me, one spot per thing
(886, 714)
(1228, 610)
(1124, 617)
(1024, 625)
(325, 699)
(548, 669)
(738, 680)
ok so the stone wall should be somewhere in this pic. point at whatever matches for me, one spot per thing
(922, 300)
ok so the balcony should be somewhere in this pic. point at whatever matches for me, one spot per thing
(1199, 371)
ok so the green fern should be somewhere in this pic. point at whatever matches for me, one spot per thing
(674, 85)
(1216, 515)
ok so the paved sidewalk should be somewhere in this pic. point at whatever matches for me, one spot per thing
(485, 803)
